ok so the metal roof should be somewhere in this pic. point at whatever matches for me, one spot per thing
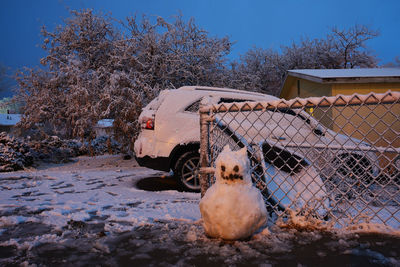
(348, 75)
(105, 123)
(9, 119)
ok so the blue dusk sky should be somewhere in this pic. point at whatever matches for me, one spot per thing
(265, 24)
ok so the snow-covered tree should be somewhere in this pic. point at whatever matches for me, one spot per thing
(93, 70)
(98, 68)
(60, 98)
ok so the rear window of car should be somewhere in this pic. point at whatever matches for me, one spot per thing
(156, 103)
(194, 107)
(232, 100)
(295, 114)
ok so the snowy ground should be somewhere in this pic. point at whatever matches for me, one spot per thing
(92, 212)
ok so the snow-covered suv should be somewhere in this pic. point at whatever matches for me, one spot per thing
(170, 136)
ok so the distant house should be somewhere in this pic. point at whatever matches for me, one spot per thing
(331, 82)
(104, 127)
(7, 105)
(7, 121)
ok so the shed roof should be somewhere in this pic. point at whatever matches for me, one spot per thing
(105, 123)
(348, 75)
(9, 119)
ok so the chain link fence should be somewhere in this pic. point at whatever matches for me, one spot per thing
(336, 158)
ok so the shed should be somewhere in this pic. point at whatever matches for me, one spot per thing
(331, 82)
(7, 121)
(104, 127)
(378, 125)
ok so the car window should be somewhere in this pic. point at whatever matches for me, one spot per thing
(194, 107)
(231, 100)
(291, 112)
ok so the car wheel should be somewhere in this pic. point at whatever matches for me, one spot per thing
(397, 170)
(352, 177)
(187, 171)
(354, 166)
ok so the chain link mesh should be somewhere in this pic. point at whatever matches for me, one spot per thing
(336, 157)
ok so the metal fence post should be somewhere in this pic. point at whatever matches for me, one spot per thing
(204, 124)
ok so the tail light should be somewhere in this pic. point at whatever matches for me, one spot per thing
(148, 123)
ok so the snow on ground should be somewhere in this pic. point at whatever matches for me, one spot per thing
(91, 212)
(91, 190)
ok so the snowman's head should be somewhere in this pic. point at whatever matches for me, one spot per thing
(233, 167)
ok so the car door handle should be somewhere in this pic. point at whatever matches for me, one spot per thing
(279, 138)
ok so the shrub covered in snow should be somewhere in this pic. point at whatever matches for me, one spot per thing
(17, 153)
(14, 154)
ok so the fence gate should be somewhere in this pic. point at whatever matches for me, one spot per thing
(336, 157)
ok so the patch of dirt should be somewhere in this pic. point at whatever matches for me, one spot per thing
(181, 244)
(96, 162)
(158, 183)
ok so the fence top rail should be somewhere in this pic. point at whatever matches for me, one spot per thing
(339, 100)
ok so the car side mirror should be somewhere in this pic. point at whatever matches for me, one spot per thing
(318, 131)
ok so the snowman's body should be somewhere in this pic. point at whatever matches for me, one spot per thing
(232, 207)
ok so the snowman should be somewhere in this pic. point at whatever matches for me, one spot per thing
(232, 207)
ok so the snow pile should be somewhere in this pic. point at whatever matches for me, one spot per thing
(232, 208)
(303, 220)
(17, 153)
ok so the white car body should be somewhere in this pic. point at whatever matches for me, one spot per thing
(176, 128)
(173, 125)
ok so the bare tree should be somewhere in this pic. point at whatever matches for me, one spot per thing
(350, 44)
(257, 70)
(394, 64)
(265, 70)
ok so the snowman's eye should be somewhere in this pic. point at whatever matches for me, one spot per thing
(223, 168)
(236, 168)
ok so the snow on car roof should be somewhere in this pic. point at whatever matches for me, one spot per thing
(343, 75)
(222, 90)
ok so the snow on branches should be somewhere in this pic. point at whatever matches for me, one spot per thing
(95, 71)
(96, 68)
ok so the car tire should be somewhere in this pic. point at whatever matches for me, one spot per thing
(187, 171)
(354, 166)
(397, 170)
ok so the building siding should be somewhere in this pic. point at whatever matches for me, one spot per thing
(380, 128)
(363, 88)
(293, 86)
